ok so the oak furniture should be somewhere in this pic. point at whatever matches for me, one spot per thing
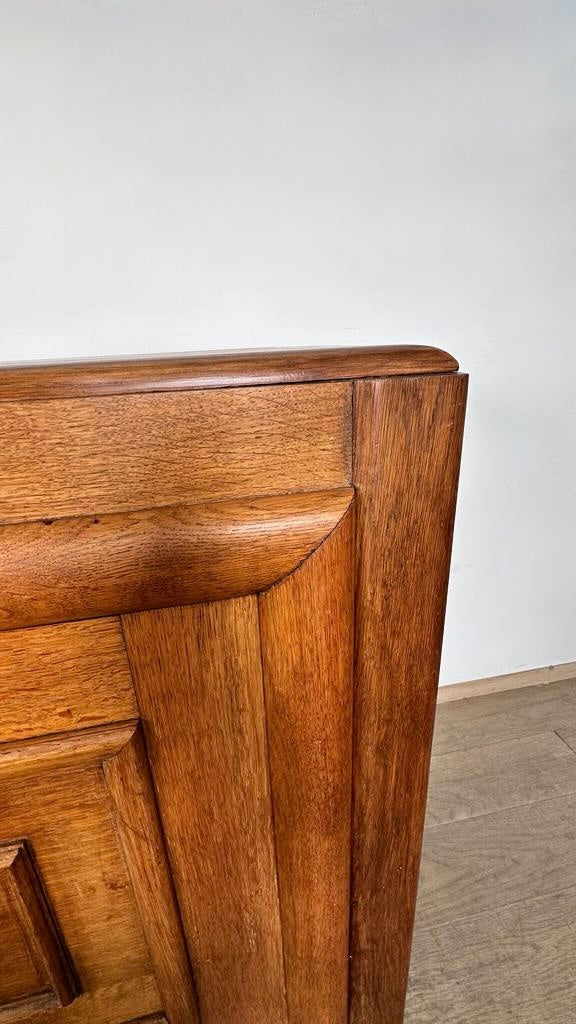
(222, 590)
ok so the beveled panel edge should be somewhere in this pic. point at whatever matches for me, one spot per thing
(80, 379)
(87, 567)
(20, 1010)
(89, 746)
(155, 1018)
(24, 889)
(132, 799)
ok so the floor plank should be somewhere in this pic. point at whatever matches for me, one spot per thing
(495, 939)
(511, 715)
(569, 738)
(468, 783)
(492, 861)
(512, 966)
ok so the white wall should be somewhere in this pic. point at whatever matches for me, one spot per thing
(195, 174)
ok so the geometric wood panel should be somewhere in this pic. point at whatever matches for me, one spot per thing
(92, 825)
(307, 625)
(24, 895)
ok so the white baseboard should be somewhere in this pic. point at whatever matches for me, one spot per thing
(512, 681)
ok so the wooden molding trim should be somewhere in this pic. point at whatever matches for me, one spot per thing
(65, 749)
(217, 370)
(510, 681)
(90, 566)
(23, 889)
(131, 792)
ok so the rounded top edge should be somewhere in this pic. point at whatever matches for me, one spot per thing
(181, 372)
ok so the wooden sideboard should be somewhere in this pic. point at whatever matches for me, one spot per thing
(222, 590)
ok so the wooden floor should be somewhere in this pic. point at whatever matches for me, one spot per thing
(495, 939)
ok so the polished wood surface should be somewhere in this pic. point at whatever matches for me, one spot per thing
(307, 628)
(130, 561)
(20, 978)
(407, 457)
(222, 589)
(95, 455)
(64, 750)
(66, 677)
(119, 752)
(65, 819)
(23, 888)
(206, 738)
(132, 794)
(217, 370)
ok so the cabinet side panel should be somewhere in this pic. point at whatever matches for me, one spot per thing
(407, 452)
(307, 627)
(197, 672)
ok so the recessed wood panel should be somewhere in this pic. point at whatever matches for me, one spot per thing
(101, 455)
(65, 816)
(198, 677)
(65, 677)
(307, 625)
(21, 884)
(117, 754)
(130, 561)
(19, 977)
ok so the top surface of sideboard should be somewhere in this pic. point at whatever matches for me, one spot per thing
(79, 379)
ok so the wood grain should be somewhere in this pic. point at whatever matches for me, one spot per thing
(25, 1009)
(20, 882)
(130, 561)
(96, 455)
(64, 750)
(407, 450)
(57, 678)
(567, 737)
(515, 963)
(107, 1004)
(66, 819)
(514, 960)
(529, 849)
(307, 627)
(217, 370)
(19, 977)
(198, 678)
(157, 1018)
(130, 787)
(125, 769)
(469, 783)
